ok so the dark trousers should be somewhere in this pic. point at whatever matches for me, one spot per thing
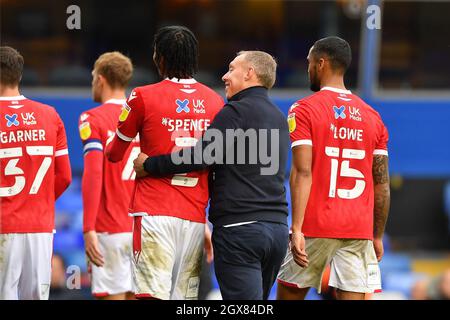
(247, 258)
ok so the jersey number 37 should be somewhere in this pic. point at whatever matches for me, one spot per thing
(12, 169)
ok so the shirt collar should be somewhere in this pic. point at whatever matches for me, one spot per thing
(182, 81)
(336, 90)
(116, 101)
(21, 97)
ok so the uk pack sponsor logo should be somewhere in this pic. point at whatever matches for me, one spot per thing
(339, 112)
(199, 106)
(11, 120)
(354, 114)
(182, 105)
(28, 118)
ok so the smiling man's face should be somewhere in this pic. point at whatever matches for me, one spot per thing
(234, 79)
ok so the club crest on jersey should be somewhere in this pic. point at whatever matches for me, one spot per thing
(182, 105)
(339, 112)
(85, 130)
(11, 120)
(125, 112)
(291, 122)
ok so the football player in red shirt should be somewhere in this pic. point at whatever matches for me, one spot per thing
(107, 186)
(339, 183)
(35, 171)
(169, 225)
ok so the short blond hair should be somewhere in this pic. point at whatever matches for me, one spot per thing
(264, 64)
(115, 67)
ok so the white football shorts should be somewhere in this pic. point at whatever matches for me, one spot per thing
(354, 266)
(25, 265)
(168, 255)
(115, 276)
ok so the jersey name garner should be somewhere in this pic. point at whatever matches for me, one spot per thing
(344, 133)
(22, 136)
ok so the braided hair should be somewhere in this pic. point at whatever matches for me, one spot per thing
(176, 52)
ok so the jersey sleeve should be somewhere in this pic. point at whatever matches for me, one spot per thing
(91, 188)
(91, 183)
(63, 173)
(89, 133)
(299, 121)
(130, 119)
(61, 139)
(382, 140)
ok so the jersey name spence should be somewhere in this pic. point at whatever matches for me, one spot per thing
(168, 116)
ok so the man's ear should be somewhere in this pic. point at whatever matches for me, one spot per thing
(101, 80)
(321, 63)
(249, 74)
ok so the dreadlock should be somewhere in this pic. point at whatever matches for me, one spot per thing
(178, 49)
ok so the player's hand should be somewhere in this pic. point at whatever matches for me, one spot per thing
(208, 245)
(298, 249)
(139, 165)
(92, 248)
(379, 249)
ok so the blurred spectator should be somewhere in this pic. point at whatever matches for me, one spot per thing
(58, 287)
(433, 288)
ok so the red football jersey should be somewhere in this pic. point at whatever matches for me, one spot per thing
(170, 115)
(31, 136)
(344, 133)
(97, 127)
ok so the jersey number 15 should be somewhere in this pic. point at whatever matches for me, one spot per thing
(346, 171)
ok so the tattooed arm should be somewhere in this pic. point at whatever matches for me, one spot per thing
(382, 199)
